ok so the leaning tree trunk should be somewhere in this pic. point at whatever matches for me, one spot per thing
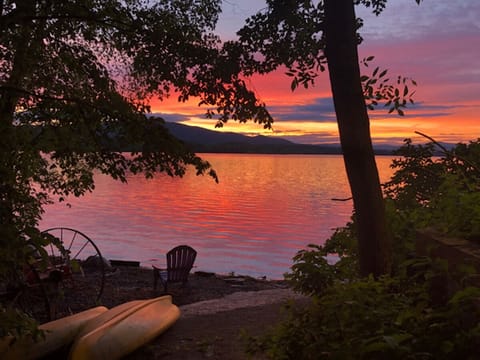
(341, 51)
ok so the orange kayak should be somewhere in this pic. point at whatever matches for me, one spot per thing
(58, 333)
(124, 328)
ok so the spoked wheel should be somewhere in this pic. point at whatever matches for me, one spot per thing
(80, 268)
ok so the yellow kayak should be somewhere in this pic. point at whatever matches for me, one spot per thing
(58, 333)
(124, 328)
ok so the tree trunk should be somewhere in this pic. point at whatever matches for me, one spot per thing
(374, 245)
(9, 146)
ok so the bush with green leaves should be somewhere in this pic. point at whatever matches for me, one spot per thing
(391, 317)
(442, 192)
(319, 266)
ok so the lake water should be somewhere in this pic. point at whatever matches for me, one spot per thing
(265, 209)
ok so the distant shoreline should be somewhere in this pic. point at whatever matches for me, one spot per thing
(200, 140)
(379, 152)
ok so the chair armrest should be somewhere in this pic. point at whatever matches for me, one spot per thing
(158, 268)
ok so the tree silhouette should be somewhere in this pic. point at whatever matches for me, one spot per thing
(308, 37)
(76, 78)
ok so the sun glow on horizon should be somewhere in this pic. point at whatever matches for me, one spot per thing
(384, 128)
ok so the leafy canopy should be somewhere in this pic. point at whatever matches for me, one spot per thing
(289, 35)
(76, 78)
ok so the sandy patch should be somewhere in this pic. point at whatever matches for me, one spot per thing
(239, 300)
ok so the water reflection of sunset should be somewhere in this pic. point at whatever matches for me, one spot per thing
(264, 209)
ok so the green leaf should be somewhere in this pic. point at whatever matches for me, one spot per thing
(294, 84)
(374, 347)
(391, 341)
(447, 347)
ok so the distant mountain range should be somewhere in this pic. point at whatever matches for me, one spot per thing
(210, 141)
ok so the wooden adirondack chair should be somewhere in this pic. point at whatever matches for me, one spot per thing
(179, 263)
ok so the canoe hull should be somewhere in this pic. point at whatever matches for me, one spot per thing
(58, 333)
(126, 329)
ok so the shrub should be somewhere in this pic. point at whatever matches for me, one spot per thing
(441, 192)
(392, 317)
(318, 267)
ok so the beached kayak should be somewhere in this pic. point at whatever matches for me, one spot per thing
(124, 328)
(58, 333)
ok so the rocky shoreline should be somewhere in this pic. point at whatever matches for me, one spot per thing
(127, 283)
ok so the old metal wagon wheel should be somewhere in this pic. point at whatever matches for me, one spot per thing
(26, 291)
(81, 270)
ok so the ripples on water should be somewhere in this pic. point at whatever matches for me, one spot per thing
(265, 208)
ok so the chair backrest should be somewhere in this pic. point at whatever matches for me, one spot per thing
(179, 263)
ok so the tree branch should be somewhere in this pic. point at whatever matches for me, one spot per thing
(449, 153)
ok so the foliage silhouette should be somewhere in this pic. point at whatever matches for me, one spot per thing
(306, 38)
(76, 78)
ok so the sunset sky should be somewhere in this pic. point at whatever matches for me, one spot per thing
(437, 44)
